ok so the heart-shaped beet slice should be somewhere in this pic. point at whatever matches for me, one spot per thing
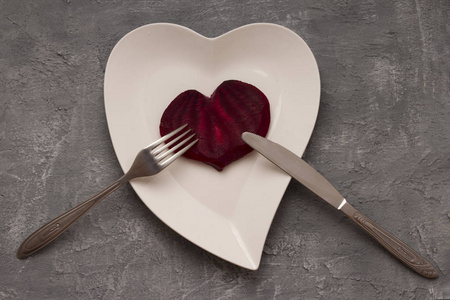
(219, 121)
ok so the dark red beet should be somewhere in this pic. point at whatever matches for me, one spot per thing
(219, 121)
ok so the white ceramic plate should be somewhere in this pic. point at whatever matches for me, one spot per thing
(227, 213)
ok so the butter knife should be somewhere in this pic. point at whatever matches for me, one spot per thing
(309, 177)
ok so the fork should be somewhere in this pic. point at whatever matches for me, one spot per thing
(149, 161)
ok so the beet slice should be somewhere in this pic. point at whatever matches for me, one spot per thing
(219, 121)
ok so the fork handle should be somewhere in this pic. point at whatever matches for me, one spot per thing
(396, 247)
(47, 233)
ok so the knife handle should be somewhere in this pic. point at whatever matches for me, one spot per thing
(395, 246)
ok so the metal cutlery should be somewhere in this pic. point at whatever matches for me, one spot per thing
(149, 161)
(309, 177)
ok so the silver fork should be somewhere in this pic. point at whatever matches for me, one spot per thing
(149, 161)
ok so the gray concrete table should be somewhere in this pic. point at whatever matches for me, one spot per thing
(382, 138)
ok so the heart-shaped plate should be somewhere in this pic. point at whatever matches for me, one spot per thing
(227, 213)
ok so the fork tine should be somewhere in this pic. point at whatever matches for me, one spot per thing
(173, 149)
(166, 137)
(162, 147)
(169, 160)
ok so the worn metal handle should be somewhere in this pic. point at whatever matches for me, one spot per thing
(47, 233)
(395, 246)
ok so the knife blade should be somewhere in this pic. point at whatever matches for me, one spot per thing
(301, 171)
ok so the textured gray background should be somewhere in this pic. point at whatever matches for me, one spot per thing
(382, 138)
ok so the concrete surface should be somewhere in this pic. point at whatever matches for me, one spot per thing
(382, 138)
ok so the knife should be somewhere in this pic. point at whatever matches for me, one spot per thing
(309, 177)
